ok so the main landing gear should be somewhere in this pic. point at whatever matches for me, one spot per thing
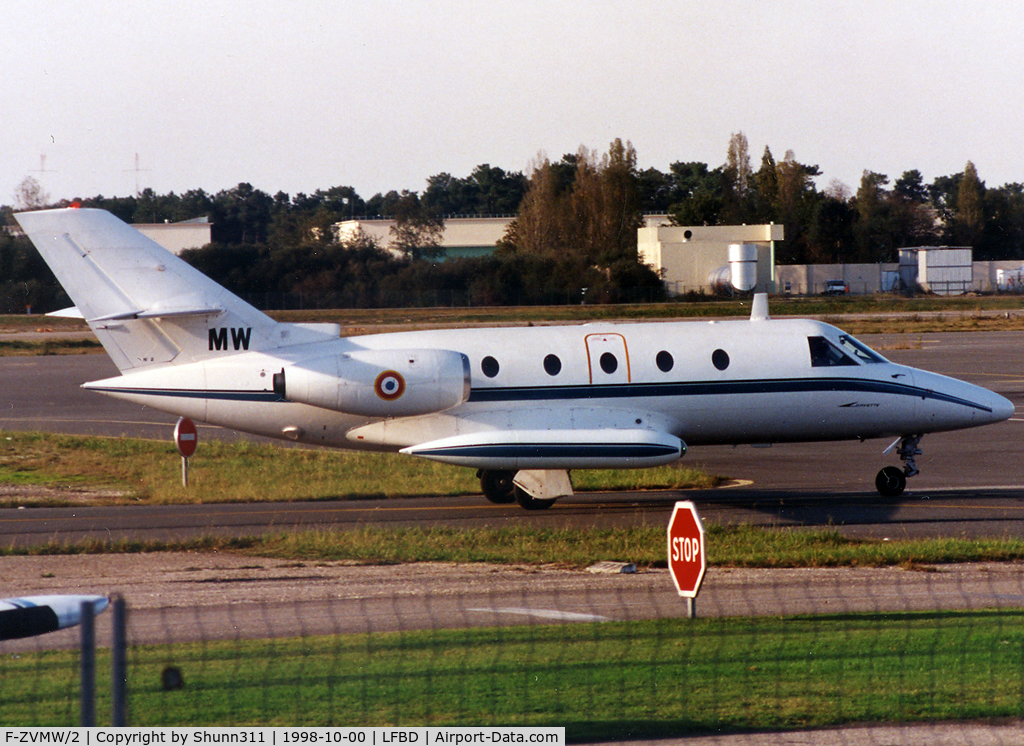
(891, 480)
(498, 487)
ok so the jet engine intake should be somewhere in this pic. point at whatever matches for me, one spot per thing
(379, 383)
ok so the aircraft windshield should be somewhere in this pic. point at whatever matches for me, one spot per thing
(825, 354)
(848, 351)
(859, 350)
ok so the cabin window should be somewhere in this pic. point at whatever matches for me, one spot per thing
(608, 363)
(552, 365)
(720, 359)
(664, 361)
(489, 366)
(824, 353)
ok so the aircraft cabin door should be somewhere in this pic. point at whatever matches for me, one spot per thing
(608, 358)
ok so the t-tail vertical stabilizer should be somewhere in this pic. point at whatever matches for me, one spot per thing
(147, 306)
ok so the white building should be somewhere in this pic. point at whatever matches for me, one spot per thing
(463, 237)
(176, 237)
(943, 270)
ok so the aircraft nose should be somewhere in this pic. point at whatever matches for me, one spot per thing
(1002, 408)
(998, 407)
(953, 404)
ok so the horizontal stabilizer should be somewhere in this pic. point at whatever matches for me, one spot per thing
(67, 313)
(554, 449)
(27, 616)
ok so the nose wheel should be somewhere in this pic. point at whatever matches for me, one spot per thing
(891, 480)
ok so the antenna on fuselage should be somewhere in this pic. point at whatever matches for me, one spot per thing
(759, 308)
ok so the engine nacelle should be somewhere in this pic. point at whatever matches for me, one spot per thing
(379, 383)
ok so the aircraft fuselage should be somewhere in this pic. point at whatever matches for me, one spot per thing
(725, 382)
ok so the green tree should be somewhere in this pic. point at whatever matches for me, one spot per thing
(736, 182)
(417, 232)
(910, 187)
(765, 195)
(830, 234)
(617, 206)
(913, 219)
(969, 219)
(873, 210)
(700, 194)
(242, 215)
(797, 198)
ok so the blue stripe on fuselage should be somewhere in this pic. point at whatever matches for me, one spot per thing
(254, 396)
(553, 450)
(711, 388)
(586, 392)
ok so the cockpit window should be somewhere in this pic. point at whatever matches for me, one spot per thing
(824, 353)
(860, 350)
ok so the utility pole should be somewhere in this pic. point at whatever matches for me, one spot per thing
(137, 171)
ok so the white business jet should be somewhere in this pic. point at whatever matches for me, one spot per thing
(523, 406)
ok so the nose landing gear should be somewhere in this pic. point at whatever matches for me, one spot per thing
(891, 480)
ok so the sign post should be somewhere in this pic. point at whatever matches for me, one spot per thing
(686, 561)
(186, 437)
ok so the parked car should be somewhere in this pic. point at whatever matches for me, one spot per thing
(835, 287)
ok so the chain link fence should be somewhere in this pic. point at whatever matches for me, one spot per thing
(610, 657)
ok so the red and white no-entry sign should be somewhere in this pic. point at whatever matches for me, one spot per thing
(686, 560)
(186, 437)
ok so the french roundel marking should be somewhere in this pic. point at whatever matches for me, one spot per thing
(389, 385)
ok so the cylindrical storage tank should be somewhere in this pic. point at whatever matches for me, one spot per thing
(720, 279)
(743, 265)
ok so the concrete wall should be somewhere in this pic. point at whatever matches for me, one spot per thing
(864, 279)
(810, 279)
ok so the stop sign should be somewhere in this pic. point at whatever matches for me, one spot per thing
(186, 437)
(686, 549)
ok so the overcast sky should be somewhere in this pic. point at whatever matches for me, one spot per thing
(380, 95)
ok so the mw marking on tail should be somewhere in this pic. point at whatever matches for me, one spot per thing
(239, 337)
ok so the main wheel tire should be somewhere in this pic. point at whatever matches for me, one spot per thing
(891, 481)
(497, 486)
(529, 502)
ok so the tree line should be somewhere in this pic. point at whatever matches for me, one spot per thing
(573, 238)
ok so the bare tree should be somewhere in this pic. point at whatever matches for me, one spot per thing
(30, 195)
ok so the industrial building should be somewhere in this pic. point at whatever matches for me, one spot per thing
(706, 257)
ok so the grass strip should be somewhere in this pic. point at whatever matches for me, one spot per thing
(603, 681)
(741, 546)
(57, 346)
(117, 471)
